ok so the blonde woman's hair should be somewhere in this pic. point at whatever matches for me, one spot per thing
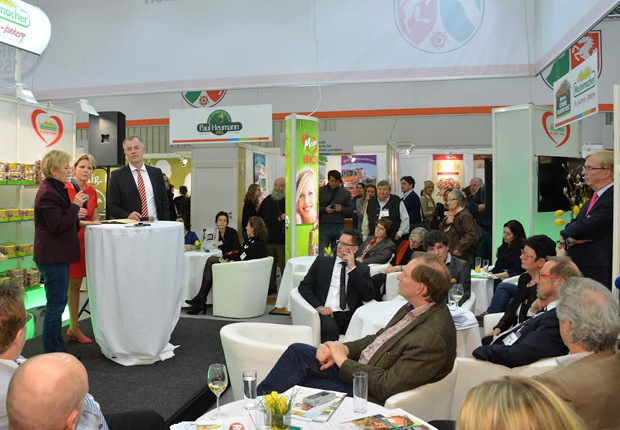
(515, 404)
(605, 159)
(88, 157)
(54, 159)
(305, 176)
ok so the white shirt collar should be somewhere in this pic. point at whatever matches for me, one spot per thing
(565, 360)
(407, 194)
(552, 305)
(605, 188)
(449, 259)
(142, 168)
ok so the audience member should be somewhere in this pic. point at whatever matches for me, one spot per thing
(477, 207)
(183, 203)
(227, 235)
(417, 347)
(334, 206)
(411, 201)
(253, 248)
(428, 206)
(508, 262)
(436, 243)
(588, 379)
(190, 237)
(357, 202)
(378, 248)
(251, 203)
(172, 211)
(536, 252)
(460, 227)
(589, 237)
(370, 192)
(136, 190)
(539, 336)
(404, 254)
(273, 211)
(337, 286)
(386, 205)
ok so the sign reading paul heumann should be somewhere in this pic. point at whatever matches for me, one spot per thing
(221, 125)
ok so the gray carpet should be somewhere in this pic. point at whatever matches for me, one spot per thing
(165, 387)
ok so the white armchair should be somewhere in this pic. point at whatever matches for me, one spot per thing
(233, 295)
(302, 312)
(442, 400)
(391, 287)
(377, 268)
(257, 346)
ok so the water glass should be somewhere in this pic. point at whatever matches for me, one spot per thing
(263, 419)
(249, 389)
(360, 392)
(478, 264)
(485, 265)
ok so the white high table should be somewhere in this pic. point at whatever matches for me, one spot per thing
(135, 279)
(482, 287)
(374, 316)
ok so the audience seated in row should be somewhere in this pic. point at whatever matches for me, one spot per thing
(378, 248)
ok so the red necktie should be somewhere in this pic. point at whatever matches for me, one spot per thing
(592, 201)
(142, 191)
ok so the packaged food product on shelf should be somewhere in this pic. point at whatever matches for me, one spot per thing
(3, 171)
(13, 214)
(23, 249)
(34, 278)
(28, 173)
(38, 172)
(8, 249)
(30, 213)
(5, 281)
(3, 216)
(15, 173)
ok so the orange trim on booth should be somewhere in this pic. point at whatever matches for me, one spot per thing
(372, 113)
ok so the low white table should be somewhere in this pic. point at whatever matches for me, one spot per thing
(372, 317)
(483, 288)
(295, 264)
(194, 267)
(135, 278)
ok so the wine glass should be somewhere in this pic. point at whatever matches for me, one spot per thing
(457, 293)
(218, 381)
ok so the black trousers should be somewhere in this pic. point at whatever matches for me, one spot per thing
(378, 281)
(332, 327)
(136, 420)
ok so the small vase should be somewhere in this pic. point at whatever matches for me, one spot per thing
(281, 422)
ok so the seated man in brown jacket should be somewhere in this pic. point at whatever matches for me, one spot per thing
(588, 379)
(417, 347)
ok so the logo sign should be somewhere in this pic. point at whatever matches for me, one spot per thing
(48, 127)
(200, 99)
(24, 26)
(558, 135)
(310, 143)
(438, 26)
(589, 45)
(576, 93)
(219, 123)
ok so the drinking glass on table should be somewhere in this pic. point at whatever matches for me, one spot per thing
(249, 389)
(360, 392)
(218, 381)
(456, 292)
(478, 264)
(485, 265)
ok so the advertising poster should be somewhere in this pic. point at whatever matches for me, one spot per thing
(575, 95)
(174, 169)
(303, 211)
(358, 168)
(99, 181)
(322, 170)
(447, 173)
(260, 172)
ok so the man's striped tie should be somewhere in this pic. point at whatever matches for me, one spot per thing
(142, 191)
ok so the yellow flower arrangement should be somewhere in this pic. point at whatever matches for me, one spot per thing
(328, 251)
(559, 222)
(559, 213)
(278, 406)
(197, 243)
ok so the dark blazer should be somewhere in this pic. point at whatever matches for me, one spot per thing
(540, 338)
(252, 249)
(381, 253)
(315, 285)
(249, 210)
(594, 259)
(270, 212)
(230, 240)
(123, 197)
(421, 353)
(412, 203)
(461, 271)
(524, 298)
(56, 224)
(461, 234)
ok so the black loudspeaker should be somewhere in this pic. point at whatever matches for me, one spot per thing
(106, 134)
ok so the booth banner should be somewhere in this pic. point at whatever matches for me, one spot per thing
(447, 173)
(260, 172)
(44, 129)
(99, 181)
(303, 211)
(358, 168)
(589, 45)
(24, 26)
(175, 171)
(335, 143)
(575, 95)
(219, 125)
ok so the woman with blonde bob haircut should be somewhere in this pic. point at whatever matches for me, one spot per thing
(515, 404)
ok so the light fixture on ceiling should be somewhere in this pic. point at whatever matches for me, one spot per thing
(353, 159)
(23, 94)
(86, 107)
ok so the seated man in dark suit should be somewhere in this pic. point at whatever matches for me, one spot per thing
(329, 277)
(136, 190)
(588, 379)
(417, 347)
(538, 337)
(436, 242)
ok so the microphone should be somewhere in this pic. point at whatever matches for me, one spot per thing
(75, 185)
(617, 282)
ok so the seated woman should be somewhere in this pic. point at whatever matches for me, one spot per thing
(404, 254)
(190, 236)
(227, 235)
(377, 249)
(255, 247)
(460, 227)
(508, 263)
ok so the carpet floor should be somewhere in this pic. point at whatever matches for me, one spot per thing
(169, 387)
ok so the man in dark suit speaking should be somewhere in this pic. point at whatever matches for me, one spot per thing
(137, 190)
(588, 238)
(337, 286)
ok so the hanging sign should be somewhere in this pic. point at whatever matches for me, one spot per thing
(200, 99)
(589, 45)
(24, 26)
(575, 95)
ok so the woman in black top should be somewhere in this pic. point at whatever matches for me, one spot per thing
(227, 235)
(251, 203)
(508, 263)
(255, 247)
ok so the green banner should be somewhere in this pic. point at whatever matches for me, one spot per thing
(304, 208)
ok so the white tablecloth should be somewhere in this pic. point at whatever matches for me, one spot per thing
(194, 267)
(371, 318)
(483, 289)
(295, 264)
(135, 279)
